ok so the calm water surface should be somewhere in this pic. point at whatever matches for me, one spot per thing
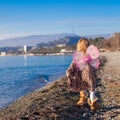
(20, 75)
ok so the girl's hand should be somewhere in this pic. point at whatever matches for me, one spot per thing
(69, 82)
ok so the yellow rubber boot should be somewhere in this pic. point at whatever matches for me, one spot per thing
(83, 99)
(94, 105)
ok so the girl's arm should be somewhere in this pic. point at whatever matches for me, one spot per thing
(70, 72)
(70, 69)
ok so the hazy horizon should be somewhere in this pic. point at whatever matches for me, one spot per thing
(24, 35)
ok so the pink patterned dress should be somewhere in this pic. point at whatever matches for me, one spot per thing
(82, 71)
(81, 80)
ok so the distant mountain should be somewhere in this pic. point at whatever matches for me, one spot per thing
(98, 35)
(69, 40)
(32, 40)
(46, 40)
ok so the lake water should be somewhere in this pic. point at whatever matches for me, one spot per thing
(20, 75)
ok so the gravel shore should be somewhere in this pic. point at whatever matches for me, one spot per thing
(54, 102)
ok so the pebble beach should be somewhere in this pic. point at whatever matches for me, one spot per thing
(55, 102)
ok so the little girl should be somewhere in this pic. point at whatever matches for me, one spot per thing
(81, 73)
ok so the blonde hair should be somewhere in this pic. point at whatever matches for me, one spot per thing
(82, 45)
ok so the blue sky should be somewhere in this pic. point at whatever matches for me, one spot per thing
(82, 17)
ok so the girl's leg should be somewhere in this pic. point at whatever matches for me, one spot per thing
(92, 101)
(92, 96)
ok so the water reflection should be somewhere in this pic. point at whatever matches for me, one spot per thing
(25, 60)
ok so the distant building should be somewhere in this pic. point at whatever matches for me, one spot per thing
(66, 51)
(61, 45)
(33, 48)
(63, 50)
(25, 48)
(2, 53)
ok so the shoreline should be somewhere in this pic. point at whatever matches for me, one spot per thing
(26, 100)
(38, 89)
(52, 54)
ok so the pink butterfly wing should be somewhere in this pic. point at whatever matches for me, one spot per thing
(78, 58)
(93, 51)
(95, 63)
